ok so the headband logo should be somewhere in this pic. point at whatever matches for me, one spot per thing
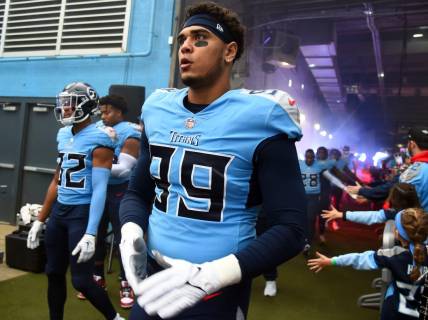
(219, 28)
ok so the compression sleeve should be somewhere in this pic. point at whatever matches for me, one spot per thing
(284, 203)
(137, 202)
(123, 166)
(100, 178)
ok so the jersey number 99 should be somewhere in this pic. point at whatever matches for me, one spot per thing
(213, 193)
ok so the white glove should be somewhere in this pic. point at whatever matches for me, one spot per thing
(134, 253)
(183, 284)
(86, 247)
(34, 234)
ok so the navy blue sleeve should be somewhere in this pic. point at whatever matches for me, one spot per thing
(379, 192)
(284, 203)
(137, 202)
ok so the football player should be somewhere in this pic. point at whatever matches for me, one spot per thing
(209, 157)
(75, 200)
(311, 177)
(113, 108)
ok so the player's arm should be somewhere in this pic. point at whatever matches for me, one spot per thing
(134, 214)
(102, 158)
(126, 159)
(50, 197)
(138, 199)
(284, 202)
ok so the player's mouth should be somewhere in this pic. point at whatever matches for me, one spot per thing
(185, 64)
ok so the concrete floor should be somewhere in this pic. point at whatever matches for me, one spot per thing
(6, 272)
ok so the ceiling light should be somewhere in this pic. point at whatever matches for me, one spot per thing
(302, 86)
(302, 117)
(330, 136)
(418, 35)
(323, 133)
(290, 83)
(317, 126)
(312, 65)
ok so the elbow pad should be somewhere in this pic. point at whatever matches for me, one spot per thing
(125, 163)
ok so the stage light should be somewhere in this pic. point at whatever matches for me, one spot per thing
(317, 126)
(418, 35)
(362, 157)
(330, 136)
(312, 65)
(323, 133)
(302, 117)
(379, 156)
(302, 86)
(290, 83)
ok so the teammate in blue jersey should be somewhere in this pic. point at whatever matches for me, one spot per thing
(113, 108)
(75, 200)
(209, 157)
(417, 173)
(328, 164)
(408, 264)
(401, 196)
(311, 176)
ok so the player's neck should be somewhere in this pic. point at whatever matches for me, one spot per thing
(77, 127)
(206, 95)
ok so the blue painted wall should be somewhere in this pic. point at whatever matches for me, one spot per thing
(146, 62)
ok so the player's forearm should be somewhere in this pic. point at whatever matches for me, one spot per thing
(100, 178)
(274, 247)
(137, 202)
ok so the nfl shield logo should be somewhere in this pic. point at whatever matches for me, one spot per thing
(189, 123)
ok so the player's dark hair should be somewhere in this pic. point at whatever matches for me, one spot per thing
(224, 16)
(117, 102)
(335, 152)
(310, 151)
(403, 196)
(415, 223)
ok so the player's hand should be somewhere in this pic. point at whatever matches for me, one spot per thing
(352, 189)
(183, 284)
(86, 247)
(133, 253)
(319, 263)
(332, 214)
(34, 234)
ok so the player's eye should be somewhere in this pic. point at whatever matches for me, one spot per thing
(180, 40)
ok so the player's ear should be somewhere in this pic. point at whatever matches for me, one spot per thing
(230, 52)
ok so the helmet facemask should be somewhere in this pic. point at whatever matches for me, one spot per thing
(73, 108)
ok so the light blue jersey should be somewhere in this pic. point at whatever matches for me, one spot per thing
(417, 175)
(311, 176)
(124, 130)
(326, 164)
(202, 164)
(75, 161)
(341, 163)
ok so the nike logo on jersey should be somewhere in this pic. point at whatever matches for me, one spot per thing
(179, 138)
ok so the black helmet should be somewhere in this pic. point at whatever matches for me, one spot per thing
(75, 103)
